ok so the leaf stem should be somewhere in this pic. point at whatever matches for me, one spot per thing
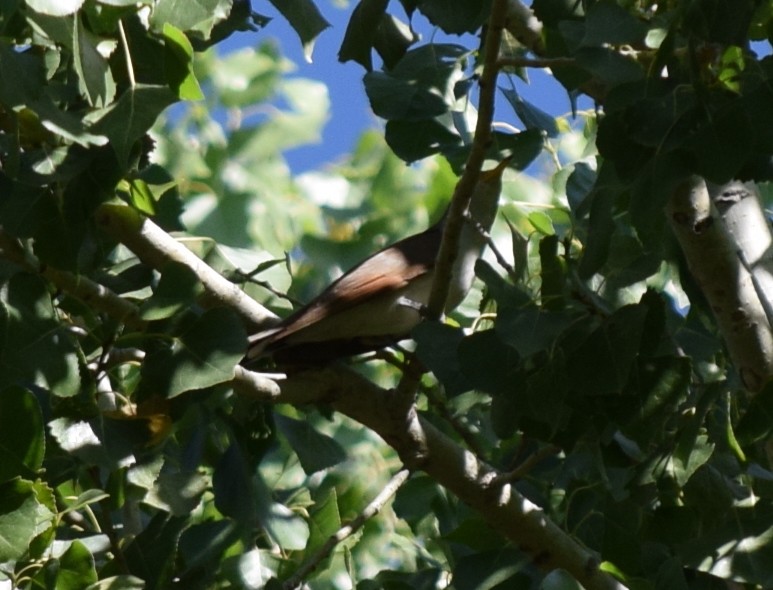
(127, 55)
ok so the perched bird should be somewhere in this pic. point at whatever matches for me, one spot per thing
(379, 301)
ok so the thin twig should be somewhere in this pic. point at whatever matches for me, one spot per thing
(389, 490)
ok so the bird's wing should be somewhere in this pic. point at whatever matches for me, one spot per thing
(388, 270)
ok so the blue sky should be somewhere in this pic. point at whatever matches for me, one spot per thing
(351, 114)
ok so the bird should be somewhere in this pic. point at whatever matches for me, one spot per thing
(379, 301)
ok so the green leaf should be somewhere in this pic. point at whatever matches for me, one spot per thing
(324, 522)
(284, 526)
(486, 361)
(316, 451)
(256, 568)
(87, 442)
(76, 568)
(393, 38)
(600, 230)
(420, 86)
(437, 347)
(22, 442)
(140, 196)
(153, 553)
(602, 365)
(552, 273)
(130, 117)
(542, 223)
(197, 16)
(179, 64)
(685, 460)
(305, 18)
(361, 32)
(663, 383)
(456, 16)
(233, 487)
(578, 187)
(609, 65)
(178, 492)
(178, 289)
(205, 354)
(55, 7)
(87, 498)
(520, 252)
(95, 79)
(35, 347)
(65, 124)
(721, 145)
(202, 545)
(22, 517)
(530, 329)
(532, 117)
(486, 570)
(609, 23)
(415, 140)
(545, 396)
(22, 77)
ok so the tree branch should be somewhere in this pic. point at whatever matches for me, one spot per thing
(727, 243)
(449, 246)
(457, 469)
(155, 247)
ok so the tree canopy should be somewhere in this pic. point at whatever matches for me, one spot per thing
(598, 413)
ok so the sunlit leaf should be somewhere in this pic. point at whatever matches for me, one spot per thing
(179, 64)
(130, 117)
(22, 517)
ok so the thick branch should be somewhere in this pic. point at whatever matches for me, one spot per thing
(460, 471)
(727, 244)
(155, 247)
